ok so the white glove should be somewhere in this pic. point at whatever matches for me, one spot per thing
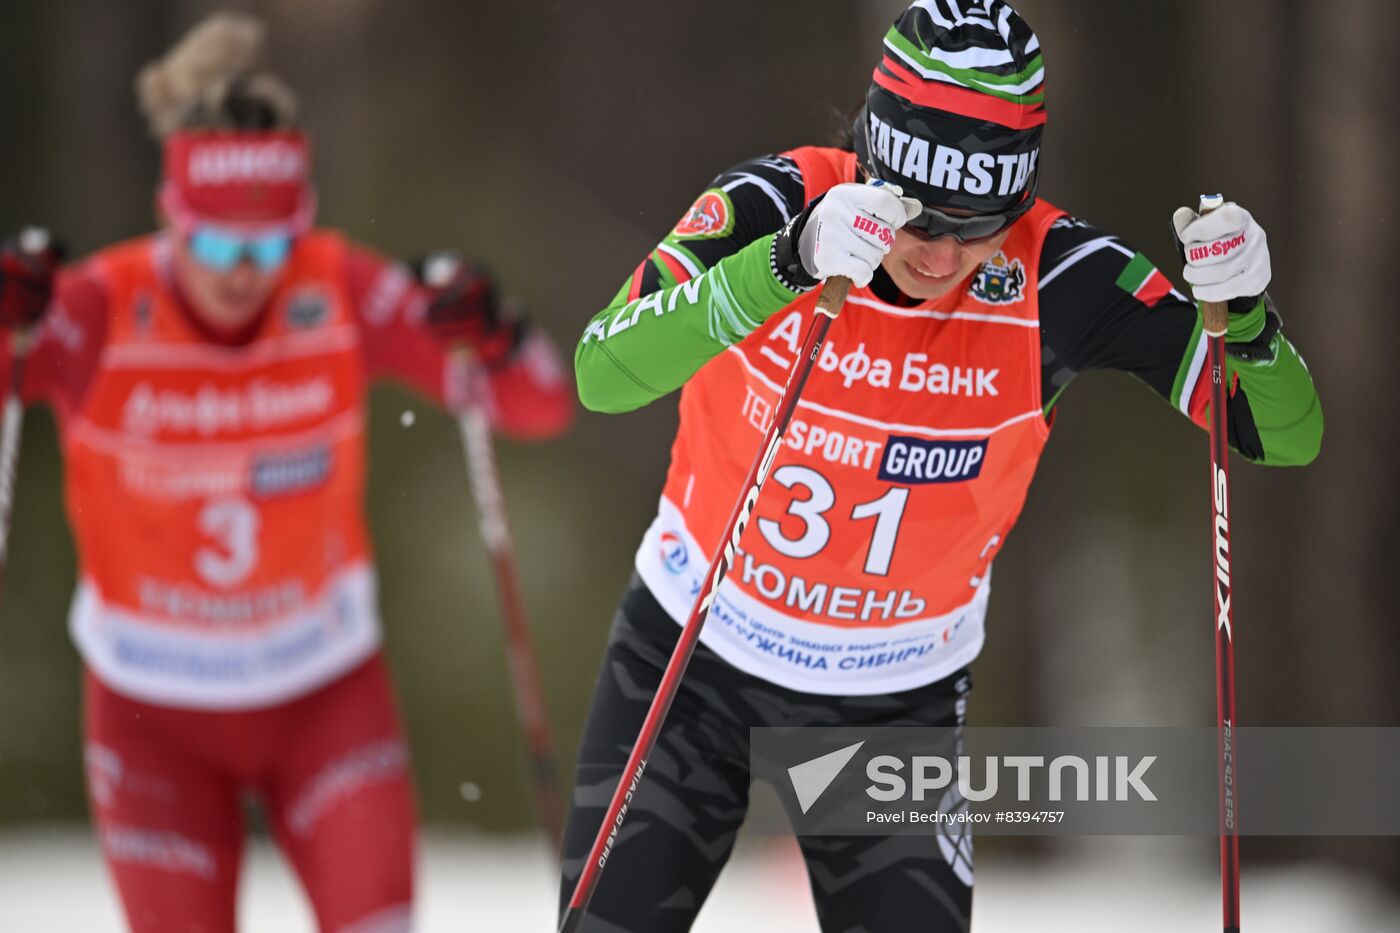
(1227, 254)
(852, 228)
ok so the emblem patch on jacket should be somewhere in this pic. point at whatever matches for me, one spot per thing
(711, 216)
(1000, 281)
(307, 308)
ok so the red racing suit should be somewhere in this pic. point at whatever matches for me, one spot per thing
(226, 610)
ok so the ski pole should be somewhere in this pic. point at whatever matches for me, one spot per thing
(1215, 321)
(520, 650)
(33, 240)
(829, 304)
(439, 269)
(10, 431)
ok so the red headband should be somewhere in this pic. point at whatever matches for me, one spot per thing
(251, 182)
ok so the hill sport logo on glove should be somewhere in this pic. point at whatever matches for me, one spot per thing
(1217, 250)
(868, 225)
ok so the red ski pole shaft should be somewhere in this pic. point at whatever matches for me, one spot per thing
(829, 304)
(1215, 322)
(36, 242)
(520, 648)
(11, 429)
(439, 270)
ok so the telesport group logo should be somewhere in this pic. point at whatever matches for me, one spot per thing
(1000, 282)
(673, 552)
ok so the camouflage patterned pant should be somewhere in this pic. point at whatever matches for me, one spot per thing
(681, 825)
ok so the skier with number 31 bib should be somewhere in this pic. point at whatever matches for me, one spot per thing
(858, 590)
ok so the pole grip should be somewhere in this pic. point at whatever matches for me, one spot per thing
(1215, 318)
(833, 295)
(1215, 315)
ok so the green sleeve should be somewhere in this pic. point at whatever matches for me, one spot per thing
(1284, 403)
(636, 351)
(1105, 306)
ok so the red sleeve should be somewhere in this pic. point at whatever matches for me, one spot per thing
(528, 397)
(63, 358)
(388, 305)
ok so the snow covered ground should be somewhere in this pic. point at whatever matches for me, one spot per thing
(52, 881)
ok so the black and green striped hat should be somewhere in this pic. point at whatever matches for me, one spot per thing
(956, 106)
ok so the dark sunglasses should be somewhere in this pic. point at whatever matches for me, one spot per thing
(932, 224)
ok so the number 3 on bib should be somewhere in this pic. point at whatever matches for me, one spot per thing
(816, 531)
(232, 524)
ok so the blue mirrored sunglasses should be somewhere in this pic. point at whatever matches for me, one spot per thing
(223, 251)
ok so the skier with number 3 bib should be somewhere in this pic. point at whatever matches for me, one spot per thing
(210, 384)
(857, 593)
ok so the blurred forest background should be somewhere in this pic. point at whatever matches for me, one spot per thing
(558, 141)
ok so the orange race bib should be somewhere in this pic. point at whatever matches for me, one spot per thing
(866, 566)
(215, 493)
